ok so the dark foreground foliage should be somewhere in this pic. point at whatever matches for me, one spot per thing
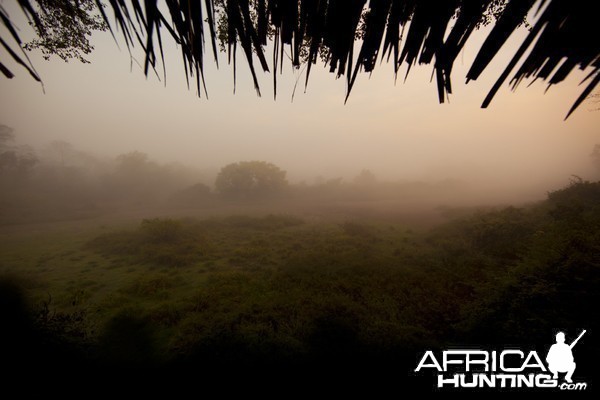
(348, 305)
(348, 36)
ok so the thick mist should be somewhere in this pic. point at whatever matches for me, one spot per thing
(513, 152)
(149, 236)
(57, 181)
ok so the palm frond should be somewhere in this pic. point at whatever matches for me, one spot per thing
(566, 36)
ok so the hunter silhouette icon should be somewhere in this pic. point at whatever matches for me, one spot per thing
(560, 357)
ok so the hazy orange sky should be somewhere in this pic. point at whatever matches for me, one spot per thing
(398, 131)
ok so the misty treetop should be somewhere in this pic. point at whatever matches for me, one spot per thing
(58, 181)
(250, 179)
(16, 161)
(348, 36)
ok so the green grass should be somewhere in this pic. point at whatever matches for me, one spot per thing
(166, 269)
(280, 284)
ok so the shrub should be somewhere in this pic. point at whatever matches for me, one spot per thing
(267, 223)
(164, 242)
(158, 231)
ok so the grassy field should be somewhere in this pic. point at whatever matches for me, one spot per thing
(281, 289)
(176, 273)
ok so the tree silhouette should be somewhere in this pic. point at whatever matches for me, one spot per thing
(15, 161)
(563, 39)
(250, 179)
(365, 178)
(65, 27)
(596, 156)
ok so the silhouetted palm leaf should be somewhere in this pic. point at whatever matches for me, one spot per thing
(565, 37)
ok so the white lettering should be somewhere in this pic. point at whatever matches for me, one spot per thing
(490, 381)
(472, 384)
(484, 361)
(503, 355)
(537, 364)
(543, 380)
(525, 380)
(471, 369)
(573, 386)
(435, 363)
(505, 378)
(451, 381)
(446, 358)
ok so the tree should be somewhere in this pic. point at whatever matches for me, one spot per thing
(60, 151)
(134, 163)
(250, 179)
(596, 156)
(136, 177)
(594, 99)
(15, 161)
(64, 28)
(413, 32)
(365, 178)
(191, 196)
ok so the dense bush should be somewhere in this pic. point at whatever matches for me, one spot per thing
(274, 290)
(163, 242)
(173, 243)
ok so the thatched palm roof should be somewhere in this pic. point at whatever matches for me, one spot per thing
(355, 34)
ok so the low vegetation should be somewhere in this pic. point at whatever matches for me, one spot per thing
(281, 290)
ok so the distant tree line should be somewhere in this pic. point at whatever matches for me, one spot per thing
(60, 181)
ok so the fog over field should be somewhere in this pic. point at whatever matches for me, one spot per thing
(146, 228)
(514, 151)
